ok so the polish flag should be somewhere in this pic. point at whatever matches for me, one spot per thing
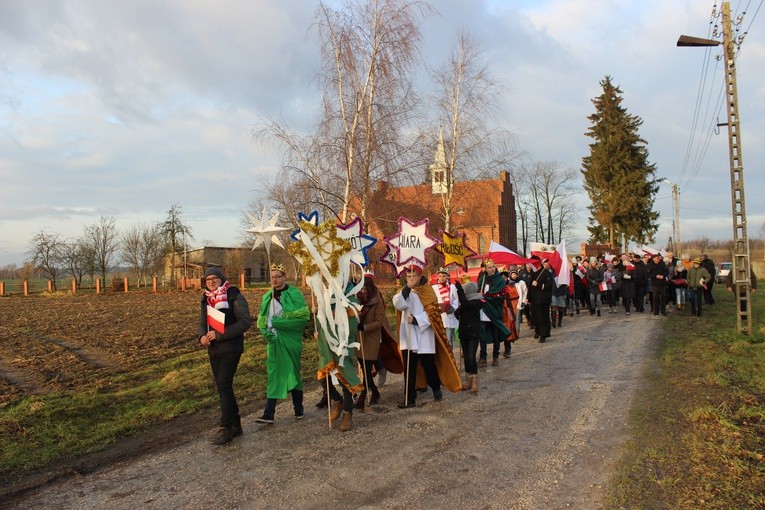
(557, 257)
(216, 319)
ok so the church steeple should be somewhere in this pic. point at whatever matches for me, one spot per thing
(438, 168)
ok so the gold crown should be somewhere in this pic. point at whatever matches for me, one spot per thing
(488, 261)
(279, 267)
(465, 278)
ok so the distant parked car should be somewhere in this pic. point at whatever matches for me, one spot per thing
(722, 271)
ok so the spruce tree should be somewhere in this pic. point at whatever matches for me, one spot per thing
(618, 178)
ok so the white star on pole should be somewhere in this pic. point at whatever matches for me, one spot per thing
(265, 233)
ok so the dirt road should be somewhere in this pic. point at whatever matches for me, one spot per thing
(544, 431)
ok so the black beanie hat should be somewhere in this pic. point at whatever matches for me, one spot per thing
(215, 271)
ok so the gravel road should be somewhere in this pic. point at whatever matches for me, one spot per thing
(543, 432)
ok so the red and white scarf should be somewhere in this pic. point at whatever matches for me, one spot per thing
(443, 292)
(218, 298)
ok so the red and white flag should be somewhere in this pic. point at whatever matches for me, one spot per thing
(557, 257)
(216, 319)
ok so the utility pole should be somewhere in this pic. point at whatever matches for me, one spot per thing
(741, 272)
(676, 224)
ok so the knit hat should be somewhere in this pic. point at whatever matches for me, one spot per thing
(215, 271)
(471, 291)
(697, 261)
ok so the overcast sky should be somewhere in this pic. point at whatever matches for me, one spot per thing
(124, 108)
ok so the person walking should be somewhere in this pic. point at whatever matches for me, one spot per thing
(447, 301)
(657, 274)
(540, 299)
(225, 348)
(469, 316)
(680, 282)
(698, 280)
(492, 285)
(640, 277)
(374, 329)
(595, 276)
(709, 265)
(282, 317)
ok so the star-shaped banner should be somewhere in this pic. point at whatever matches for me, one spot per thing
(454, 249)
(321, 243)
(312, 218)
(360, 242)
(265, 234)
(389, 257)
(411, 242)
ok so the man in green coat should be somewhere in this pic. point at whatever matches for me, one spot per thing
(698, 280)
(281, 320)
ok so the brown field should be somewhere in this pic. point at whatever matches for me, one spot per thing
(60, 342)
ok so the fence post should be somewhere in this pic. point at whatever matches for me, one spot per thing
(74, 286)
(125, 280)
(2, 288)
(183, 283)
(98, 285)
(154, 284)
(241, 280)
(50, 286)
(26, 287)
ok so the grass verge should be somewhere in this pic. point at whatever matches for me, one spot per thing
(40, 431)
(698, 425)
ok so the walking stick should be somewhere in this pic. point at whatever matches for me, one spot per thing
(364, 372)
(327, 375)
(408, 353)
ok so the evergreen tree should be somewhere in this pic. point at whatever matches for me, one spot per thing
(618, 178)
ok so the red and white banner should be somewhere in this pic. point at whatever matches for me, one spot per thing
(557, 257)
(216, 319)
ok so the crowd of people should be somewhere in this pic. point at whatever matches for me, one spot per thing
(430, 319)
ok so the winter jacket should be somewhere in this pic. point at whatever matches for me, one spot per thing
(238, 321)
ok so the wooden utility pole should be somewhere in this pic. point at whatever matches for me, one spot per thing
(741, 280)
(741, 272)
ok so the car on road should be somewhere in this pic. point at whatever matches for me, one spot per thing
(723, 269)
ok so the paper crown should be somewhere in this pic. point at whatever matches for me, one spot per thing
(443, 270)
(369, 275)
(465, 278)
(279, 267)
(413, 268)
(488, 261)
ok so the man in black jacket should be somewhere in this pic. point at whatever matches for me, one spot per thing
(709, 265)
(639, 276)
(540, 297)
(657, 273)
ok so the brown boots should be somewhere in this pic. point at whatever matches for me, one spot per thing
(346, 423)
(347, 418)
(471, 383)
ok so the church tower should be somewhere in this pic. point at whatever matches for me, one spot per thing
(438, 168)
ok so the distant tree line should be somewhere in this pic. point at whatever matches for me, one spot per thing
(101, 248)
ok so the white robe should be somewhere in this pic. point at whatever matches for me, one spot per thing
(418, 337)
(449, 320)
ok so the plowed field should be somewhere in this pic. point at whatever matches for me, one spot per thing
(55, 343)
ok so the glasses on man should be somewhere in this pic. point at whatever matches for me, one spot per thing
(211, 279)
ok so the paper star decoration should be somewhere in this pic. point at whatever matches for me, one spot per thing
(360, 242)
(265, 234)
(313, 218)
(454, 249)
(411, 242)
(327, 245)
(389, 257)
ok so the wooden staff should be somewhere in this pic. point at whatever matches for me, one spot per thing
(364, 370)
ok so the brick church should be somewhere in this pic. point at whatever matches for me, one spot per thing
(483, 209)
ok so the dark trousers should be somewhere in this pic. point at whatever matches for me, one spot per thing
(224, 369)
(334, 395)
(708, 297)
(366, 377)
(695, 298)
(469, 349)
(639, 299)
(428, 362)
(659, 304)
(297, 404)
(542, 325)
(489, 333)
(627, 304)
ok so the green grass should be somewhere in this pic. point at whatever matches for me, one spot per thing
(40, 431)
(698, 426)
